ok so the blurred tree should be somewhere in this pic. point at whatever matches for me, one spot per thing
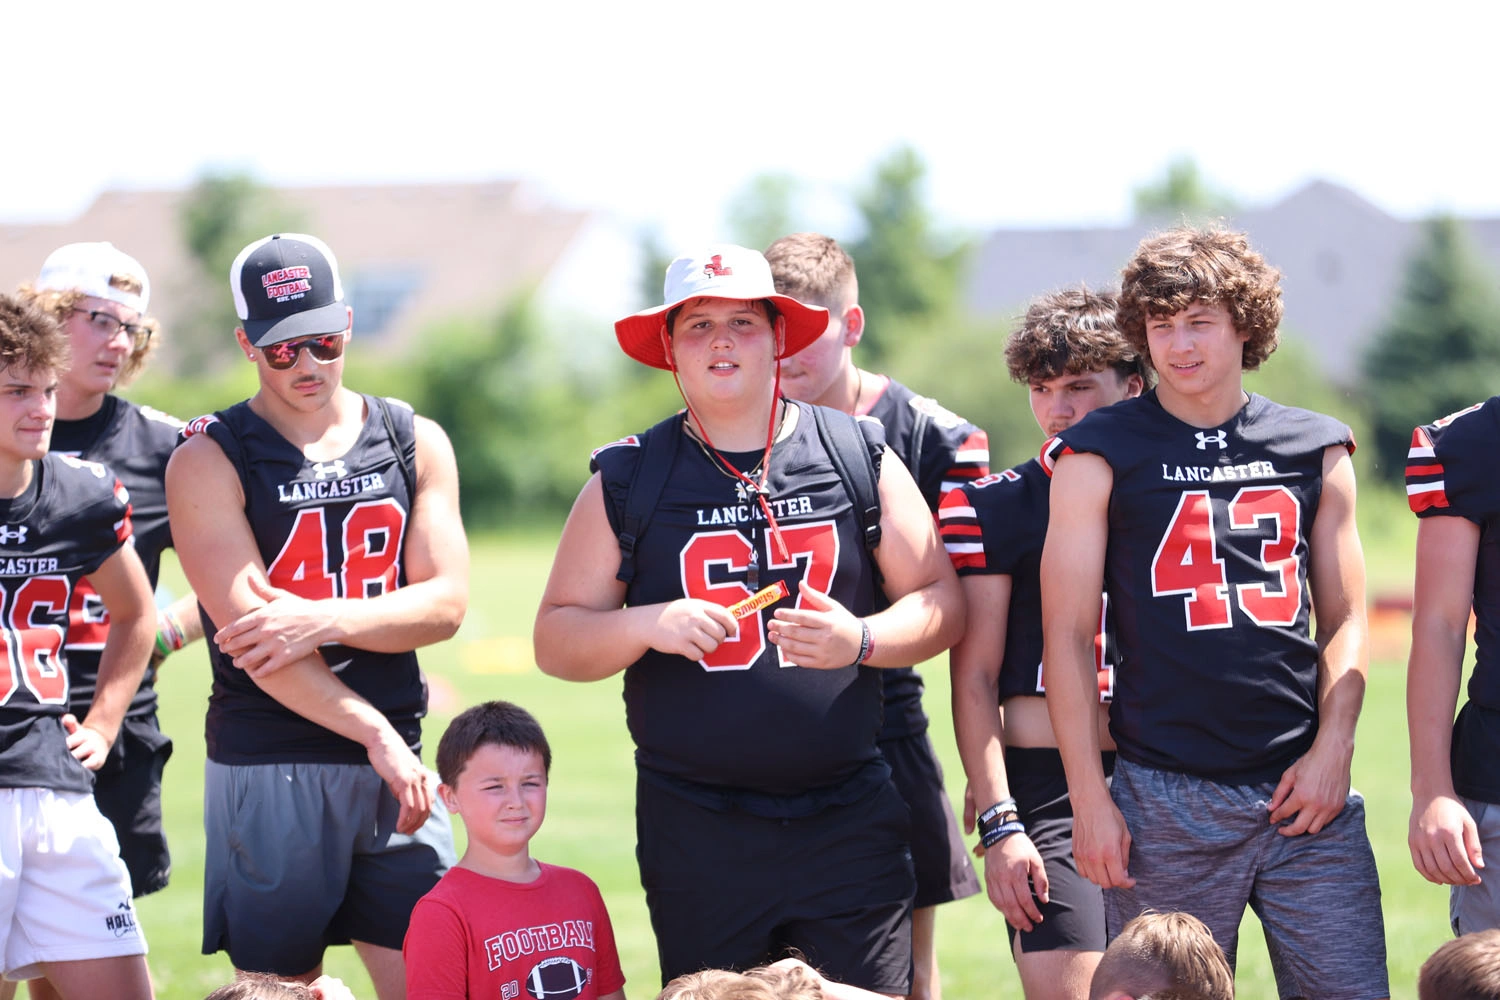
(907, 271)
(1440, 350)
(220, 215)
(654, 260)
(762, 211)
(1184, 194)
(960, 361)
(522, 422)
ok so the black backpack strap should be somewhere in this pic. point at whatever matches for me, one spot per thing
(658, 451)
(407, 459)
(846, 446)
(914, 460)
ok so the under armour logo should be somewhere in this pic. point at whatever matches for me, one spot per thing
(715, 267)
(1220, 438)
(335, 469)
(9, 534)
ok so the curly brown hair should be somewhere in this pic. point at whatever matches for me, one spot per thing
(1071, 331)
(30, 339)
(1172, 270)
(59, 304)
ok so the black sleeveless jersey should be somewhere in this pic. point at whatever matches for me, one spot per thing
(1207, 573)
(134, 442)
(739, 719)
(1450, 471)
(996, 526)
(324, 529)
(942, 451)
(72, 517)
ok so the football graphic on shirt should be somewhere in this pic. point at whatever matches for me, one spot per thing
(558, 977)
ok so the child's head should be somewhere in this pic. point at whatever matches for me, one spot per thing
(1466, 968)
(261, 986)
(717, 984)
(1172, 956)
(768, 982)
(494, 723)
(1175, 269)
(494, 762)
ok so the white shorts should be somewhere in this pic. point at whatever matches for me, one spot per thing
(64, 892)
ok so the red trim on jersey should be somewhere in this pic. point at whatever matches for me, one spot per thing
(967, 560)
(1052, 449)
(1426, 501)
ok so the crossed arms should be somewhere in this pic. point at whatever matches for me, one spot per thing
(274, 635)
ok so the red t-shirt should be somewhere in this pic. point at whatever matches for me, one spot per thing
(476, 936)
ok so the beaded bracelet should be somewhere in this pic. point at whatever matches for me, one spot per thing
(169, 633)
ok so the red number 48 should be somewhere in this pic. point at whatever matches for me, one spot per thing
(1188, 562)
(371, 541)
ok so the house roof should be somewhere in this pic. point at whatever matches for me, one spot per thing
(1342, 260)
(451, 248)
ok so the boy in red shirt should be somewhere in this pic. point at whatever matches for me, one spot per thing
(501, 923)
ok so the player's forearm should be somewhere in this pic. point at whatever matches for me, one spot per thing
(979, 732)
(314, 692)
(586, 644)
(1072, 706)
(1342, 667)
(419, 614)
(122, 664)
(1433, 676)
(919, 625)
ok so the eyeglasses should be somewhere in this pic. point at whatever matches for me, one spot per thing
(324, 350)
(107, 325)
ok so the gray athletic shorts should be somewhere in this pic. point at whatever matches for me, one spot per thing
(1208, 849)
(301, 856)
(1477, 907)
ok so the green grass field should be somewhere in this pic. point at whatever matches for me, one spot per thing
(590, 822)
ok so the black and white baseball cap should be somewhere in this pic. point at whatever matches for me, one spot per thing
(287, 286)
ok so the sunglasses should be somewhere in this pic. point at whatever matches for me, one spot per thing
(324, 350)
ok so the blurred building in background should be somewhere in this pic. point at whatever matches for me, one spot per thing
(1342, 257)
(410, 255)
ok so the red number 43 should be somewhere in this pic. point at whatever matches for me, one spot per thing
(1188, 562)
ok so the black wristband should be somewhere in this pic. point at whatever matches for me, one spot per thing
(993, 836)
(864, 644)
(1003, 806)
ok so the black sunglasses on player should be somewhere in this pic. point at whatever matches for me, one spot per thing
(324, 349)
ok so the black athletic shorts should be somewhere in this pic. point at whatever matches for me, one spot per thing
(944, 871)
(1073, 916)
(127, 790)
(732, 890)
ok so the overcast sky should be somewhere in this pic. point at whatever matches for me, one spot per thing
(1026, 114)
